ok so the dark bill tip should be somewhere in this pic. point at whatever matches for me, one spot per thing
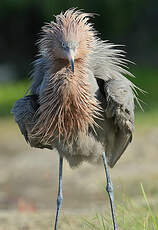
(72, 65)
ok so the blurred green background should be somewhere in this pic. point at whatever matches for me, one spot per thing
(28, 177)
(131, 23)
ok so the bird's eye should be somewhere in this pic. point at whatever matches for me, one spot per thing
(63, 45)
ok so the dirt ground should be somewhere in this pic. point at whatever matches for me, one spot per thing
(29, 177)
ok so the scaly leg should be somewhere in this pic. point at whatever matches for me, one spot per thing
(60, 195)
(109, 189)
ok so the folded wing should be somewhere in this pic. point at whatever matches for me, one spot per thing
(118, 105)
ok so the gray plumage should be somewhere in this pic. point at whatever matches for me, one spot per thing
(105, 75)
(114, 131)
(80, 101)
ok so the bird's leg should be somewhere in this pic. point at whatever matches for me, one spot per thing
(60, 195)
(109, 189)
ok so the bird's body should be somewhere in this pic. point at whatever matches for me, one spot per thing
(80, 102)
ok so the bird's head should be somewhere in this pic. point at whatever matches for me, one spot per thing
(67, 50)
(69, 38)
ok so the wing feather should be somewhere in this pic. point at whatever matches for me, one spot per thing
(119, 117)
(24, 110)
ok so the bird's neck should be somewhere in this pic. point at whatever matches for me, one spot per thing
(67, 106)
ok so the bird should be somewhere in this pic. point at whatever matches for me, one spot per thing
(81, 101)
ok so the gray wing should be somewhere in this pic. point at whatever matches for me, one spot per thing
(24, 110)
(39, 75)
(118, 104)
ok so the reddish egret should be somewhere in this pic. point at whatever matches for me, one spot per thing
(80, 101)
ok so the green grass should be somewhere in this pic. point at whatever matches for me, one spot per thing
(130, 215)
(147, 79)
(9, 93)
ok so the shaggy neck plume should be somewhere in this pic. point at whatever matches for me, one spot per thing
(66, 106)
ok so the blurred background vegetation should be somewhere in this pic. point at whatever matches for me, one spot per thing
(129, 22)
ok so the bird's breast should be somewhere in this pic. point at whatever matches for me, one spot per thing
(67, 108)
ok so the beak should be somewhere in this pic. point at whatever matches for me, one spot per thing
(72, 65)
(70, 55)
